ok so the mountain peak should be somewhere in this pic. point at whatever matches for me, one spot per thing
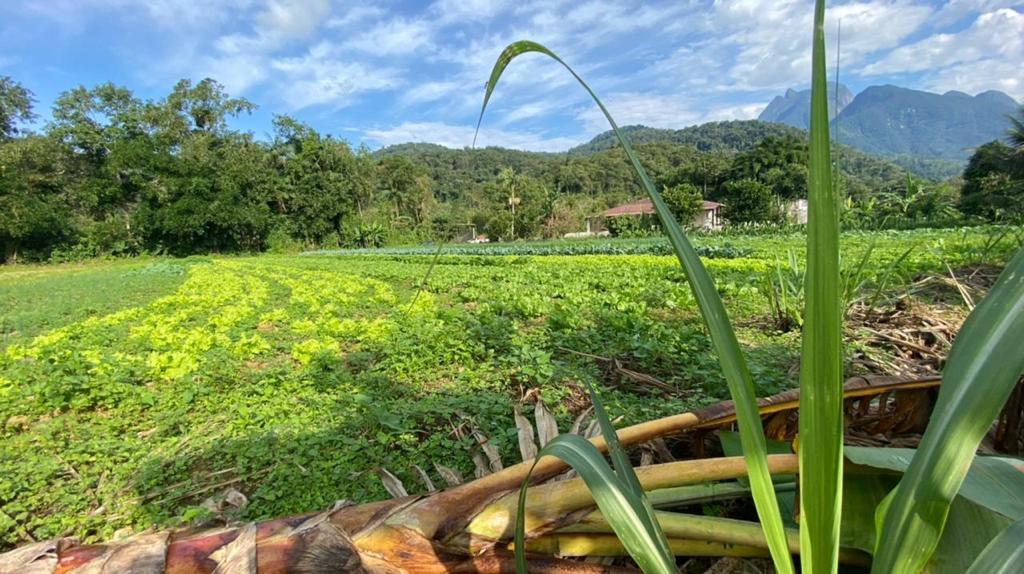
(893, 120)
(794, 108)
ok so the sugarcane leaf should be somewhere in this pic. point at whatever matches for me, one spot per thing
(723, 337)
(995, 482)
(639, 533)
(862, 492)
(984, 364)
(972, 525)
(821, 365)
(623, 469)
(1004, 555)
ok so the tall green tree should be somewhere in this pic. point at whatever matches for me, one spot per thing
(1016, 133)
(992, 188)
(15, 107)
(750, 201)
(406, 186)
(685, 201)
(35, 213)
(778, 162)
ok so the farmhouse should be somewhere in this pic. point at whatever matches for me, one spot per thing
(708, 217)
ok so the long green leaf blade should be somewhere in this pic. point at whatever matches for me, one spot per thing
(734, 367)
(620, 460)
(821, 377)
(624, 471)
(1004, 555)
(624, 510)
(983, 366)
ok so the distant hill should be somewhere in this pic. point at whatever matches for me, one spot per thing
(738, 135)
(794, 108)
(602, 164)
(894, 121)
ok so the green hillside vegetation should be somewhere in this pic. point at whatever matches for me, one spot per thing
(112, 174)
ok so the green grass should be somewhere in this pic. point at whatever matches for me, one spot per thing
(36, 298)
(294, 376)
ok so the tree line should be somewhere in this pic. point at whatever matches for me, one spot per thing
(112, 174)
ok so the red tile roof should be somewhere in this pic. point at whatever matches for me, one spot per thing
(645, 207)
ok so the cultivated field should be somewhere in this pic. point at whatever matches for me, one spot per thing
(132, 391)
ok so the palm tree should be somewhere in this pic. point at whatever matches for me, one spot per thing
(1016, 132)
(510, 181)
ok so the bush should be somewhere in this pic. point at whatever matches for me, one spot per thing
(632, 226)
(750, 201)
(280, 241)
(684, 201)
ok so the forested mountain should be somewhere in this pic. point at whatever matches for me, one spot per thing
(893, 120)
(731, 136)
(863, 170)
(908, 124)
(794, 108)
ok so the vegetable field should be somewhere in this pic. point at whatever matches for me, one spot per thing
(133, 392)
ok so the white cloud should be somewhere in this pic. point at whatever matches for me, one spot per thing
(459, 136)
(980, 76)
(772, 40)
(994, 36)
(354, 15)
(243, 60)
(237, 72)
(527, 111)
(737, 112)
(956, 10)
(461, 11)
(665, 63)
(323, 77)
(428, 92)
(652, 110)
(393, 37)
(292, 19)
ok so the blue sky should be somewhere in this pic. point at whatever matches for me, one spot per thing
(390, 72)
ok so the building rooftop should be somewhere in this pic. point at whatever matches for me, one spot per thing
(645, 207)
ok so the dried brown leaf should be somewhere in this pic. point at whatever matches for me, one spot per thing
(547, 427)
(493, 457)
(527, 447)
(577, 425)
(450, 476)
(425, 478)
(238, 557)
(392, 484)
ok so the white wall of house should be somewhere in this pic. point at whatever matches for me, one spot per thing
(795, 211)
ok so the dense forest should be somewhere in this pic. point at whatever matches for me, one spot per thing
(112, 174)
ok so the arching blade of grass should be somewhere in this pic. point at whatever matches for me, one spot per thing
(983, 366)
(1004, 555)
(734, 367)
(821, 365)
(627, 512)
